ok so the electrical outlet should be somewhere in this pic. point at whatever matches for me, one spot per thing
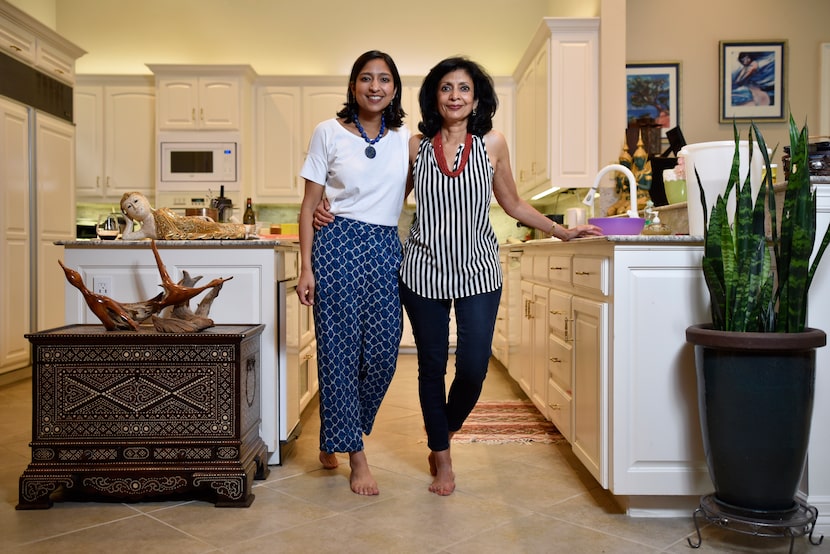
(102, 284)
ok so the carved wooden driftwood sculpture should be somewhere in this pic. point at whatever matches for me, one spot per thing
(120, 316)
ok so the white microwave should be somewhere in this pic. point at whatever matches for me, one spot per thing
(188, 162)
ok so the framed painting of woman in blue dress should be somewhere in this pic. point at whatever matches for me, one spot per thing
(752, 78)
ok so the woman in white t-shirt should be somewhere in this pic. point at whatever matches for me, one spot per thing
(349, 271)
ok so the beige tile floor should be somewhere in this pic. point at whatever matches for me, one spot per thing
(510, 498)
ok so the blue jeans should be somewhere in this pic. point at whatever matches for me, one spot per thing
(475, 320)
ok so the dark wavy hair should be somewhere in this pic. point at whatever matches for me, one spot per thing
(484, 91)
(394, 113)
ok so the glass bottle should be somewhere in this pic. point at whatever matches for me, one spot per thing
(249, 219)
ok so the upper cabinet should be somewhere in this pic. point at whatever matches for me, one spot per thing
(202, 97)
(36, 45)
(278, 149)
(115, 137)
(287, 111)
(557, 106)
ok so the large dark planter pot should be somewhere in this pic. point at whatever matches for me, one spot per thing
(755, 394)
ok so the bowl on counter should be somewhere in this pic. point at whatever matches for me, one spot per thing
(211, 213)
(619, 225)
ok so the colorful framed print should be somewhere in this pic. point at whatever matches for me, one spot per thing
(752, 80)
(652, 90)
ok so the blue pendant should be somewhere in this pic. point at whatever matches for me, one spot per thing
(370, 152)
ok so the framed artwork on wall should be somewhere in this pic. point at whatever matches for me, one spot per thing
(652, 90)
(752, 80)
(824, 91)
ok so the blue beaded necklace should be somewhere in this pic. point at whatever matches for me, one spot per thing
(370, 150)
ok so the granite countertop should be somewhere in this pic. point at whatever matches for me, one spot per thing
(200, 243)
(640, 239)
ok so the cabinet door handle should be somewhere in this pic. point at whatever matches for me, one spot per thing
(97, 181)
(556, 360)
(15, 47)
(108, 181)
(193, 114)
(583, 273)
(308, 356)
(568, 337)
(557, 268)
(557, 312)
(556, 407)
(202, 114)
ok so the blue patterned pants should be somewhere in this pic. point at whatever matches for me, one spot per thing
(357, 320)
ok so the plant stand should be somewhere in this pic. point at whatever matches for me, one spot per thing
(796, 523)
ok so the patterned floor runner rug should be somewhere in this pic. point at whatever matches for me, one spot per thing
(498, 422)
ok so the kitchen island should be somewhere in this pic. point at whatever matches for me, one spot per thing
(126, 271)
(603, 355)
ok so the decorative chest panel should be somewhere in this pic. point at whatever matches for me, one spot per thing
(127, 416)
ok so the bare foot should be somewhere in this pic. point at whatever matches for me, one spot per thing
(444, 482)
(329, 460)
(361, 478)
(433, 468)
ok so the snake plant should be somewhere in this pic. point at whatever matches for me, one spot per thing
(757, 283)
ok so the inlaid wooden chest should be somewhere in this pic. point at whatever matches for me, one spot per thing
(129, 416)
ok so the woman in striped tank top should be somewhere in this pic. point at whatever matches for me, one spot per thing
(451, 256)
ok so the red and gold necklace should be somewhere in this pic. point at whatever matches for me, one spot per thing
(438, 144)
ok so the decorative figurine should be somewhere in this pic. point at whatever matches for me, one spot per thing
(641, 168)
(164, 224)
(117, 316)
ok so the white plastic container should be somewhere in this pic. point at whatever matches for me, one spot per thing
(713, 161)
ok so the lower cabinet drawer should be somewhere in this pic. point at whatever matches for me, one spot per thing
(593, 274)
(559, 409)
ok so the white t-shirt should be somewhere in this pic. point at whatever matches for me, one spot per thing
(361, 188)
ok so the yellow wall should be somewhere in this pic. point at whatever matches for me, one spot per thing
(323, 36)
(310, 37)
(690, 32)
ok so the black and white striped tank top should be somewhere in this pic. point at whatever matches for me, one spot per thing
(452, 251)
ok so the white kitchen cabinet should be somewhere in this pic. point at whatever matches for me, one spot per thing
(557, 106)
(507, 337)
(656, 442)
(590, 386)
(202, 97)
(560, 362)
(249, 297)
(409, 102)
(36, 45)
(533, 351)
(319, 103)
(15, 238)
(55, 213)
(627, 403)
(30, 258)
(17, 41)
(300, 359)
(115, 122)
(533, 117)
(278, 144)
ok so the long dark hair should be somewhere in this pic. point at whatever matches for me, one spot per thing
(481, 121)
(393, 114)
